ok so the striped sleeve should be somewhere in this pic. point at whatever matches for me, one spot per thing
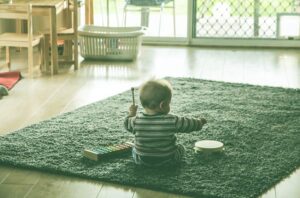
(185, 125)
(129, 124)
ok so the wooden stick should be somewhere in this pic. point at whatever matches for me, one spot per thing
(132, 92)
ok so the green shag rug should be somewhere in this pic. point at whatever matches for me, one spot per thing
(260, 127)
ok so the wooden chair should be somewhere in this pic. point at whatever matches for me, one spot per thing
(68, 35)
(149, 5)
(12, 39)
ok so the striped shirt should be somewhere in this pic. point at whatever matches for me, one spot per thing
(155, 134)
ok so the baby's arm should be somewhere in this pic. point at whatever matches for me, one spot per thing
(129, 120)
(186, 125)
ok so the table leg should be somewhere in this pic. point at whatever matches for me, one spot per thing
(53, 40)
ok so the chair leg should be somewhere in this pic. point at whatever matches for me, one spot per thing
(101, 12)
(145, 11)
(75, 54)
(67, 52)
(7, 55)
(174, 18)
(124, 15)
(30, 61)
(42, 55)
(117, 13)
(160, 16)
(46, 54)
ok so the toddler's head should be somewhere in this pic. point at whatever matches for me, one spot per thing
(155, 96)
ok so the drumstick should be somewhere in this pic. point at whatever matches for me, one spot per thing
(132, 93)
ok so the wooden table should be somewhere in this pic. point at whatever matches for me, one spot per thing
(49, 8)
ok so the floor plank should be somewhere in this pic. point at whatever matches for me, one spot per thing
(21, 176)
(113, 190)
(14, 190)
(145, 193)
(51, 185)
(4, 172)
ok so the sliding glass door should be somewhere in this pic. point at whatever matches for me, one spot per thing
(207, 22)
(246, 22)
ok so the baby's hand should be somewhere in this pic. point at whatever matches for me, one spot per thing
(132, 110)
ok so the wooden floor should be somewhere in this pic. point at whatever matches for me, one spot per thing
(40, 98)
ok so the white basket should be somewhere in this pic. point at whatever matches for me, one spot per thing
(110, 43)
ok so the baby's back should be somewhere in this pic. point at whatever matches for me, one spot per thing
(155, 135)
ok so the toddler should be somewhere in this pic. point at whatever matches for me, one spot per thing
(154, 129)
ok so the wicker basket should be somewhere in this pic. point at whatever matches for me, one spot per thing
(110, 43)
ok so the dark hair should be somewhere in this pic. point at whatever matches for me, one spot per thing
(153, 92)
